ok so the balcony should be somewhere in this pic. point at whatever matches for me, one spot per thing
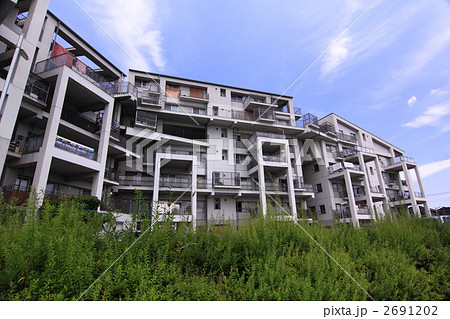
(16, 194)
(37, 88)
(297, 113)
(32, 145)
(175, 150)
(342, 166)
(76, 118)
(363, 211)
(146, 181)
(149, 98)
(263, 114)
(111, 174)
(309, 118)
(276, 187)
(342, 213)
(75, 148)
(72, 62)
(175, 182)
(226, 179)
(194, 94)
(123, 88)
(375, 189)
(256, 101)
(146, 119)
(327, 127)
(359, 191)
(253, 138)
(340, 194)
(347, 138)
(274, 158)
(300, 185)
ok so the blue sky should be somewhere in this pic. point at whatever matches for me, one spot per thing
(390, 74)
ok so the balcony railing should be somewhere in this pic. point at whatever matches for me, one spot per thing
(71, 61)
(175, 150)
(340, 194)
(75, 148)
(254, 99)
(327, 127)
(123, 88)
(344, 165)
(342, 213)
(345, 137)
(273, 158)
(76, 118)
(226, 179)
(359, 191)
(261, 113)
(276, 187)
(32, 145)
(175, 182)
(203, 95)
(394, 195)
(17, 193)
(253, 138)
(297, 111)
(363, 211)
(136, 181)
(299, 184)
(375, 189)
(37, 88)
(418, 194)
(146, 118)
(111, 174)
(309, 118)
(150, 98)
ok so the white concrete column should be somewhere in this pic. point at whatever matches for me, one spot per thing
(366, 184)
(105, 131)
(156, 177)
(422, 190)
(410, 189)
(48, 145)
(291, 192)
(380, 176)
(351, 198)
(194, 190)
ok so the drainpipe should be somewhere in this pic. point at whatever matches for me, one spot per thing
(10, 73)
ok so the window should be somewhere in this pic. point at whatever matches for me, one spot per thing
(371, 170)
(224, 132)
(215, 110)
(335, 187)
(364, 137)
(223, 92)
(313, 210)
(224, 155)
(319, 188)
(237, 137)
(316, 168)
(322, 209)
(236, 97)
(328, 147)
(239, 207)
(216, 203)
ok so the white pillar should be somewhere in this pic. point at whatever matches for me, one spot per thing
(410, 186)
(351, 198)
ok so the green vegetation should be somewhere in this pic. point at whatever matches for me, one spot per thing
(58, 253)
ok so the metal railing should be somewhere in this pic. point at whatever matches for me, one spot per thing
(75, 148)
(37, 88)
(71, 61)
(263, 113)
(188, 93)
(175, 182)
(363, 211)
(375, 189)
(343, 165)
(340, 194)
(76, 118)
(299, 184)
(149, 98)
(253, 138)
(122, 88)
(111, 174)
(136, 180)
(276, 187)
(175, 150)
(297, 111)
(254, 99)
(418, 194)
(309, 118)
(327, 127)
(273, 158)
(226, 179)
(146, 118)
(32, 145)
(345, 137)
(342, 213)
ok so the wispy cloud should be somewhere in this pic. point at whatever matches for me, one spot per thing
(132, 24)
(412, 100)
(337, 54)
(439, 92)
(433, 168)
(432, 116)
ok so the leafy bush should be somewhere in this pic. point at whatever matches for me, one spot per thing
(58, 253)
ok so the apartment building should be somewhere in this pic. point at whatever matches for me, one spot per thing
(203, 152)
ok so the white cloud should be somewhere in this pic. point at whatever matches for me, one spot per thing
(132, 25)
(432, 116)
(412, 100)
(439, 92)
(336, 56)
(433, 168)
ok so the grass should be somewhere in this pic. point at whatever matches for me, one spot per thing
(58, 253)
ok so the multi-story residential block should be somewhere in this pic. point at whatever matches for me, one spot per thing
(205, 152)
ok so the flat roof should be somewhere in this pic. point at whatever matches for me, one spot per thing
(209, 83)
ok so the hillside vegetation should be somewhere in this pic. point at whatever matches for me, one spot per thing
(59, 252)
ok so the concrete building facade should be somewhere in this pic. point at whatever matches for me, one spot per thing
(205, 152)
